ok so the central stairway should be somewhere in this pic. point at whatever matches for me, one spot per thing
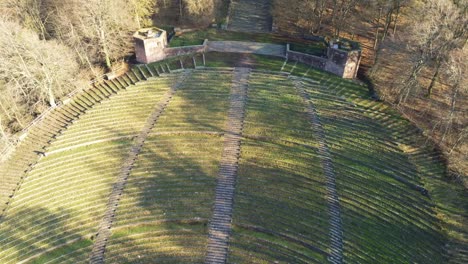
(220, 225)
(250, 16)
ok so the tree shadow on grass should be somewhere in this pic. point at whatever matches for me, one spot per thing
(169, 196)
(383, 218)
(27, 240)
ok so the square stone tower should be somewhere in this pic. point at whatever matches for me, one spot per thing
(344, 58)
(150, 44)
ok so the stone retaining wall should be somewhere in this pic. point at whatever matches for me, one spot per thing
(314, 61)
(342, 63)
(178, 51)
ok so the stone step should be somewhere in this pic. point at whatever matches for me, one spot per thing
(250, 16)
(220, 223)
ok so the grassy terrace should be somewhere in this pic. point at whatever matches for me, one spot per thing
(446, 197)
(122, 117)
(280, 209)
(384, 220)
(61, 203)
(40, 135)
(170, 193)
(199, 105)
(66, 192)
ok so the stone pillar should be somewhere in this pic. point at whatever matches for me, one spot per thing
(343, 62)
(150, 44)
(352, 64)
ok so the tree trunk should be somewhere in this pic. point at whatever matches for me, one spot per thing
(375, 65)
(18, 119)
(376, 37)
(319, 10)
(434, 79)
(411, 81)
(334, 12)
(396, 19)
(4, 134)
(319, 24)
(137, 18)
(51, 97)
(180, 10)
(48, 86)
(448, 124)
(108, 60)
(105, 50)
(5, 110)
(388, 20)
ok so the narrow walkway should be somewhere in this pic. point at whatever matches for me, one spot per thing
(335, 232)
(103, 234)
(220, 224)
(248, 47)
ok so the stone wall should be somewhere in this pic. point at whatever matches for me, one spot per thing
(339, 62)
(150, 49)
(178, 51)
(314, 61)
(352, 64)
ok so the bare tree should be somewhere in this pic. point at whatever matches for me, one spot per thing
(456, 69)
(200, 11)
(35, 71)
(341, 12)
(28, 13)
(440, 27)
(98, 30)
(142, 11)
(310, 14)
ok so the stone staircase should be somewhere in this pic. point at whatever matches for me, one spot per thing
(104, 229)
(220, 224)
(334, 211)
(250, 16)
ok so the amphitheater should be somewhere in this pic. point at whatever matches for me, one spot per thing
(211, 159)
(216, 164)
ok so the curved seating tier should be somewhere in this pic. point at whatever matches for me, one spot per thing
(122, 117)
(167, 242)
(60, 202)
(27, 152)
(383, 218)
(72, 253)
(174, 178)
(70, 185)
(200, 104)
(280, 186)
(254, 246)
(64, 171)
